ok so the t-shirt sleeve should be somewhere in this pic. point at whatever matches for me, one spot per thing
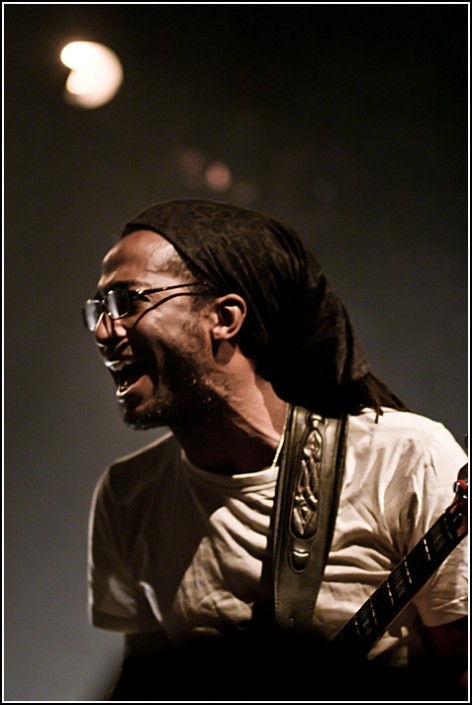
(444, 598)
(116, 601)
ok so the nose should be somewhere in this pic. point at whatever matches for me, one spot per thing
(109, 331)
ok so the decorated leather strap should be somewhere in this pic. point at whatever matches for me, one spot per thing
(306, 504)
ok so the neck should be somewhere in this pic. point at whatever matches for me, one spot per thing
(242, 440)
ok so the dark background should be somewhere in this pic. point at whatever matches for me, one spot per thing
(349, 122)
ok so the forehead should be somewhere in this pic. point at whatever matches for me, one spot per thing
(139, 257)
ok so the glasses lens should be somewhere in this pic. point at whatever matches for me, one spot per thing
(91, 313)
(118, 303)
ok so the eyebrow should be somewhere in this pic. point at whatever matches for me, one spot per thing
(120, 284)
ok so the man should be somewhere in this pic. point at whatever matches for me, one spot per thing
(216, 322)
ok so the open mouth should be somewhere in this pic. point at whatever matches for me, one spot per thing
(127, 374)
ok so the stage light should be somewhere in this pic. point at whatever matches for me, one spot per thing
(191, 163)
(96, 74)
(218, 177)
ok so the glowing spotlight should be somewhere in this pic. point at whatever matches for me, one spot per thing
(191, 163)
(96, 74)
(218, 177)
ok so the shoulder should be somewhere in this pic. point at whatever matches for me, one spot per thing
(404, 443)
(135, 474)
(399, 474)
(402, 430)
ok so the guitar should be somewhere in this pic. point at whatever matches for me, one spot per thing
(366, 627)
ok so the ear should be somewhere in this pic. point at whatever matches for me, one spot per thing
(231, 311)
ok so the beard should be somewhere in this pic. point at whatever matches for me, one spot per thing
(187, 400)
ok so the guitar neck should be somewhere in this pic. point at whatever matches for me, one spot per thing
(368, 624)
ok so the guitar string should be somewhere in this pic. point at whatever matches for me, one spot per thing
(425, 557)
(380, 601)
(416, 561)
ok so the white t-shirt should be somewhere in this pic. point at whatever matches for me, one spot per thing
(178, 548)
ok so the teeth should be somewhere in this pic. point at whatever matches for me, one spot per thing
(117, 365)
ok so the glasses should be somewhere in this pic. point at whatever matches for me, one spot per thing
(119, 302)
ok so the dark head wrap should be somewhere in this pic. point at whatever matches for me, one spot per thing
(297, 329)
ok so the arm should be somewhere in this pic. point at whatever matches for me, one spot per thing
(444, 598)
(116, 601)
(449, 643)
(133, 680)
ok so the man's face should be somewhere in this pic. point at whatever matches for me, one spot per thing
(160, 355)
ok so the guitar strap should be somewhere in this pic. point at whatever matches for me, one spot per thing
(305, 507)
